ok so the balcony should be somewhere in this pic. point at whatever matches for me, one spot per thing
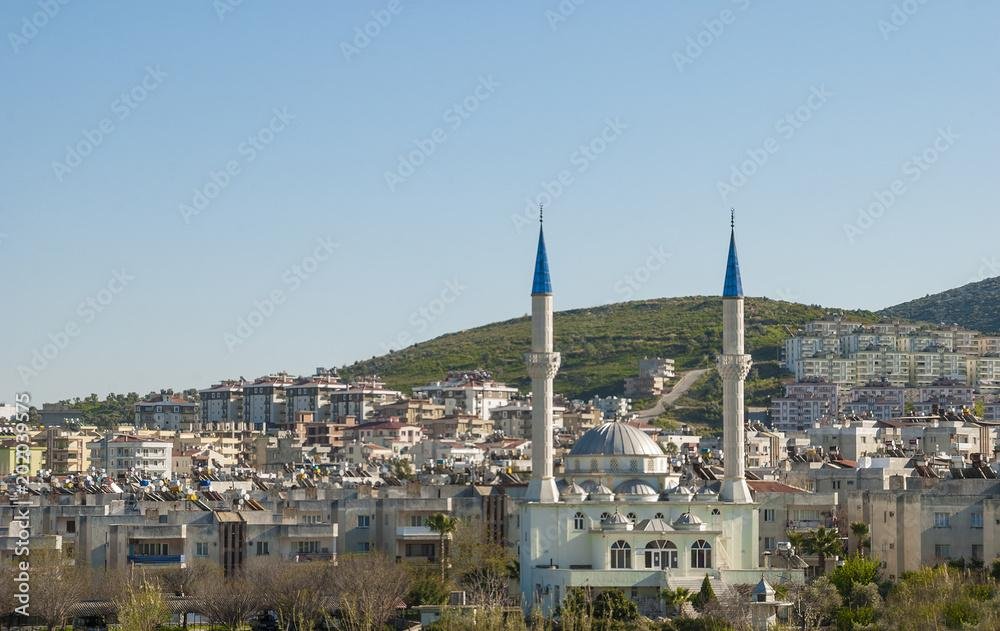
(422, 533)
(314, 556)
(156, 559)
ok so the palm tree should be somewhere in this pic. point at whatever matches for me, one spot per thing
(677, 597)
(444, 525)
(823, 542)
(860, 530)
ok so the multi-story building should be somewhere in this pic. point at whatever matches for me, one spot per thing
(849, 439)
(803, 404)
(311, 394)
(264, 401)
(472, 392)
(360, 399)
(654, 373)
(877, 400)
(123, 454)
(785, 508)
(169, 411)
(411, 410)
(66, 451)
(221, 406)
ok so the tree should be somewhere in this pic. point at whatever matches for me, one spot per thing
(142, 607)
(481, 566)
(57, 587)
(860, 531)
(816, 604)
(855, 570)
(444, 525)
(228, 602)
(676, 598)
(362, 603)
(612, 607)
(300, 594)
(823, 542)
(426, 588)
(706, 594)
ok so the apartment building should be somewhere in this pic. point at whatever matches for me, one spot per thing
(168, 411)
(654, 374)
(413, 411)
(470, 392)
(360, 399)
(66, 451)
(877, 400)
(803, 404)
(122, 454)
(847, 439)
(264, 401)
(311, 394)
(784, 508)
(221, 406)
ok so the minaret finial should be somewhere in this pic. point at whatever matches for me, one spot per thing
(541, 213)
(732, 218)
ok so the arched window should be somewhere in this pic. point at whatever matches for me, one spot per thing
(701, 554)
(605, 516)
(661, 554)
(658, 516)
(579, 521)
(632, 517)
(634, 464)
(621, 556)
(716, 511)
(613, 464)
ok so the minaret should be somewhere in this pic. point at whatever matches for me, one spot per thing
(733, 367)
(542, 367)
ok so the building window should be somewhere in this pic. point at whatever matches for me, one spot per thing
(942, 551)
(613, 464)
(941, 520)
(579, 521)
(71, 524)
(621, 556)
(976, 520)
(262, 550)
(658, 516)
(201, 549)
(701, 554)
(836, 485)
(632, 517)
(634, 464)
(364, 546)
(977, 552)
(418, 520)
(364, 521)
(661, 555)
(768, 514)
(605, 516)
(769, 543)
(593, 464)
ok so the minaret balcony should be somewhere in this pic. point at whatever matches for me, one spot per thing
(542, 365)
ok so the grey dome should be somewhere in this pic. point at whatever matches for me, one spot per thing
(617, 518)
(615, 439)
(635, 487)
(687, 521)
(573, 490)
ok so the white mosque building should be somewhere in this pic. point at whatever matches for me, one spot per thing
(618, 518)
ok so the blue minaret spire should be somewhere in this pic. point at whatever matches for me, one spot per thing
(733, 287)
(542, 282)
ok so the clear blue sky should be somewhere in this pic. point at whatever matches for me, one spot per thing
(114, 115)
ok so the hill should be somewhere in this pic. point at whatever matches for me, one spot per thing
(601, 346)
(973, 306)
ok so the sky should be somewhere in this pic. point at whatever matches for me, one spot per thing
(206, 190)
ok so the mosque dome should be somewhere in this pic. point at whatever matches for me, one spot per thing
(637, 489)
(602, 493)
(615, 439)
(573, 492)
(687, 521)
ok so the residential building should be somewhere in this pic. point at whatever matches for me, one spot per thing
(471, 392)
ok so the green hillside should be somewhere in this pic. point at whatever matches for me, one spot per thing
(601, 346)
(973, 306)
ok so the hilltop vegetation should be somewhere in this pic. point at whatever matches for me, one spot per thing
(601, 346)
(973, 306)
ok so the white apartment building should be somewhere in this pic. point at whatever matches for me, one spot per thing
(167, 411)
(311, 394)
(264, 401)
(472, 392)
(851, 438)
(360, 399)
(803, 404)
(123, 454)
(221, 406)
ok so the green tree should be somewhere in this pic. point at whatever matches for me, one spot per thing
(855, 570)
(142, 607)
(444, 525)
(706, 594)
(676, 598)
(860, 530)
(613, 605)
(824, 543)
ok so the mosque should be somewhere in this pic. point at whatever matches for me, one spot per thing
(619, 518)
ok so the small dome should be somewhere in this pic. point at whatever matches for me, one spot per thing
(573, 492)
(617, 518)
(680, 493)
(601, 493)
(615, 439)
(687, 521)
(635, 487)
